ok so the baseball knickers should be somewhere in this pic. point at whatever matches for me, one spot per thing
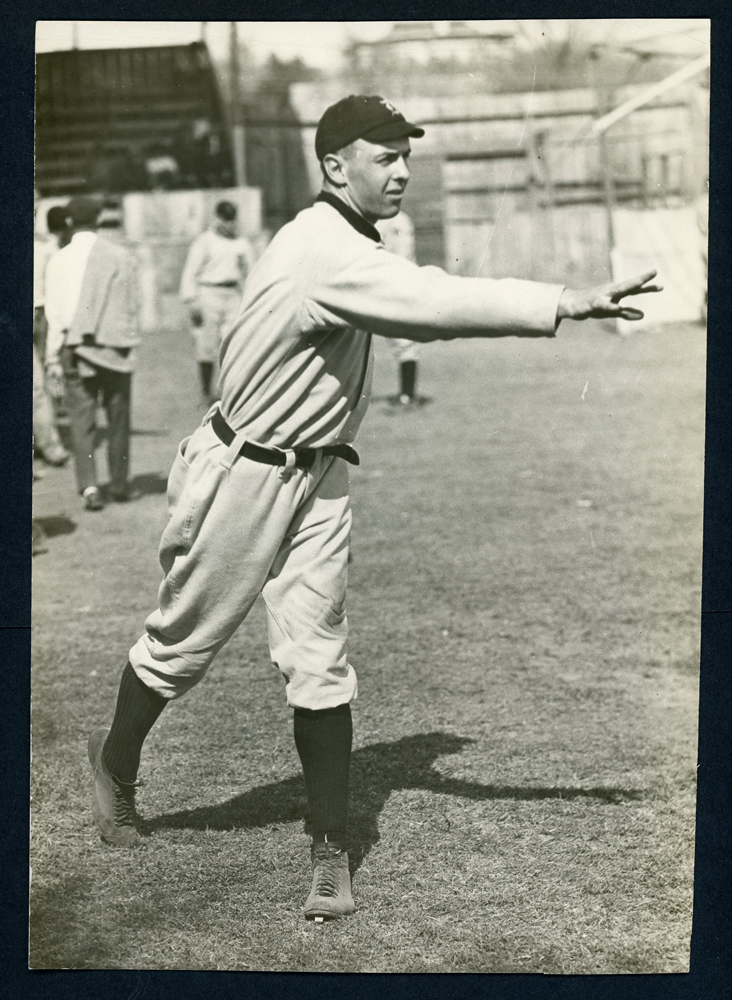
(403, 350)
(219, 307)
(237, 528)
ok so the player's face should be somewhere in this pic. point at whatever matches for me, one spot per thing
(376, 176)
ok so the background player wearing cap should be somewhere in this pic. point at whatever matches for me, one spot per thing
(215, 270)
(397, 234)
(258, 495)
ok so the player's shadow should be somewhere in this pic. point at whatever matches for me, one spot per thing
(393, 404)
(149, 482)
(52, 526)
(149, 432)
(376, 772)
(146, 484)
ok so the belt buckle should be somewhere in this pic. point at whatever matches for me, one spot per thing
(287, 471)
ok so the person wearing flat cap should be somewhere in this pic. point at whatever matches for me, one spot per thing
(92, 310)
(258, 495)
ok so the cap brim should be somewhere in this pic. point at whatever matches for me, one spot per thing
(393, 130)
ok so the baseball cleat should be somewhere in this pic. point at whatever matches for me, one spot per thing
(330, 896)
(113, 805)
(93, 499)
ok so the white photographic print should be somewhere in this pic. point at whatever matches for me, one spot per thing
(374, 353)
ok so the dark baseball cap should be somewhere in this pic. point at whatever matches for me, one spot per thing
(226, 210)
(83, 211)
(361, 117)
(56, 218)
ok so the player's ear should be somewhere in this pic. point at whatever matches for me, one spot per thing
(333, 168)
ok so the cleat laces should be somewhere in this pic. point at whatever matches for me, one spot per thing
(327, 865)
(124, 802)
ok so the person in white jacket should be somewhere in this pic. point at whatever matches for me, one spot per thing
(258, 495)
(46, 439)
(216, 268)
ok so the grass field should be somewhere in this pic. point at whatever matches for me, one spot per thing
(524, 610)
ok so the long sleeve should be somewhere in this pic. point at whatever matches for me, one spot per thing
(194, 262)
(377, 291)
(296, 364)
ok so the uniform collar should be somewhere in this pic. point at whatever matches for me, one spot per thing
(350, 215)
(83, 236)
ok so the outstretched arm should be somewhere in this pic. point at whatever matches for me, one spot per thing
(604, 302)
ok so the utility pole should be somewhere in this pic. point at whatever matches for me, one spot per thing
(542, 209)
(606, 168)
(608, 189)
(237, 111)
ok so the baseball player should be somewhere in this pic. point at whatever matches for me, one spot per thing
(258, 494)
(397, 235)
(213, 276)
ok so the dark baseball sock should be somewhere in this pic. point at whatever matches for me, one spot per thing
(136, 711)
(323, 740)
(408, 375)
(205, 369)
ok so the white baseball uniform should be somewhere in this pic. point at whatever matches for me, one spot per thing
(215, 270)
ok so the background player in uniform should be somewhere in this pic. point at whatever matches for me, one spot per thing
(213, 276)
(398, 236)
(258, 495)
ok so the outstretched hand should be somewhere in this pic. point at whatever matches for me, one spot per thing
(603, 302)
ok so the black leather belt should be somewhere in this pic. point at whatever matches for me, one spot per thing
(304, 457)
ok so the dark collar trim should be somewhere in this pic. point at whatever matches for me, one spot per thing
(357, 221)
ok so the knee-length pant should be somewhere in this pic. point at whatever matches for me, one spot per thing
(219, 307)
(404, 350)
(238, 528)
